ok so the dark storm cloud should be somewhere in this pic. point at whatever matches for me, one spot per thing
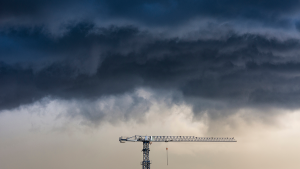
(35, 8)
(35, 43)
(157, 12)
(241, 70)
(178, 11)
(65, 49)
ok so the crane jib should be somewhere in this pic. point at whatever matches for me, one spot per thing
(138, 138)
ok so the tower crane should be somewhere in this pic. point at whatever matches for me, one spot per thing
(146, 140)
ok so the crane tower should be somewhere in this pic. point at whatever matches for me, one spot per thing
(146, 140)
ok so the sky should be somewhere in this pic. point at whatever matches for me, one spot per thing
(76, 75)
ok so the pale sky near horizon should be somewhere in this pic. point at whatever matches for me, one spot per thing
(42, 135)
(77, 75)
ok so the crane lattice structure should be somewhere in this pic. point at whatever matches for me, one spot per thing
(149, 139)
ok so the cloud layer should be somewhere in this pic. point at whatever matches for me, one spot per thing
(215, 62)
(158, 12)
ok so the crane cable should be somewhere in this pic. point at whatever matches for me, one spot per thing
(167, 154)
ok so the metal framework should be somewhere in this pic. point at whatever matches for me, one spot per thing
(148, 139)
(146, 160)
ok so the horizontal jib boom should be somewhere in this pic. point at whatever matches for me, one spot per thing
(176, 139)
(191, 139)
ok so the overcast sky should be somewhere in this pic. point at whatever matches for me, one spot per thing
(76, 75)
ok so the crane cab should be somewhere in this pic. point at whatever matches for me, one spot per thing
(148, 138)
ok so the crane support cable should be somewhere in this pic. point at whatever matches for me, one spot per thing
(167, 155)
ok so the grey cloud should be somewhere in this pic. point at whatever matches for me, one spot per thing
(297, 24)
(156, 13)
(113, 109)
(239, 71)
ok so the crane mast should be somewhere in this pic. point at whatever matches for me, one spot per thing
(146, 140)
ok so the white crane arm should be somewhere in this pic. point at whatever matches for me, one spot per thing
(138, 138)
